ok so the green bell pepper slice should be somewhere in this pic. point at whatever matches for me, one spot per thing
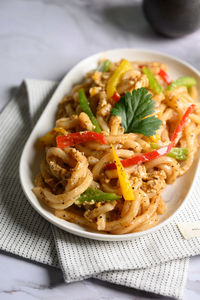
(182, 81)
(104, 66)
(177, 153)
(85, 106)
(97, 196)
(153, 82)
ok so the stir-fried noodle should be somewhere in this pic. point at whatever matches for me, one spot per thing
(67, 172)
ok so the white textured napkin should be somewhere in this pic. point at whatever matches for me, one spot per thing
(157, 262)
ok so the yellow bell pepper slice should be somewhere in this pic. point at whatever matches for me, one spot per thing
(155, 138)
(48, 138)
(125, 185)
(115, 78)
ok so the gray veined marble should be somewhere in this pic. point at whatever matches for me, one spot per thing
(42, 39)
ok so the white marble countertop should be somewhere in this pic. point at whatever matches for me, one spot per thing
(42, 39)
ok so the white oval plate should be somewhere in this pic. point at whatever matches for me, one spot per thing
(174, 195)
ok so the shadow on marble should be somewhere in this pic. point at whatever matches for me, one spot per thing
(130, 291)
(10, 93)
(55, 276)
(130, 18)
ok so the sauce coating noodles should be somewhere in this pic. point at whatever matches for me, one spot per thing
(67, 173)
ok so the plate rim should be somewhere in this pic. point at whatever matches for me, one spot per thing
(88, 234)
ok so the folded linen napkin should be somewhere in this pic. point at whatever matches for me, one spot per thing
(157, 262)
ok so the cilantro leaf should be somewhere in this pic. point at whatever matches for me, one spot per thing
(134, 110)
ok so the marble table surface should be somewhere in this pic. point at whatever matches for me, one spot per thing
(42, 39)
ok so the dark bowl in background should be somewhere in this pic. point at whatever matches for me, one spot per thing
(173, 18)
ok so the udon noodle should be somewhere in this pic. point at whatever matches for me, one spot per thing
(67, 173)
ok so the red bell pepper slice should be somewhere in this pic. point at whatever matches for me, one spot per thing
(76, 138)
(142, 66)
(165, 76)
(116, 97)
(138, 159)
(182, 124)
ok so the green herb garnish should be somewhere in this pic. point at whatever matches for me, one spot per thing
(134, 110)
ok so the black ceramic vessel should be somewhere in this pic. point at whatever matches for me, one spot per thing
(173, 18)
